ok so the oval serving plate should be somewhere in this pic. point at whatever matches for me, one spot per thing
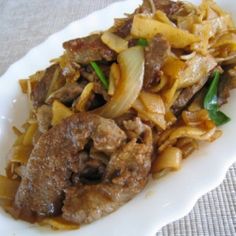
(162, 201)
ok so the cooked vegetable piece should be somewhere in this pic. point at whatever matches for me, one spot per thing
(218, 117)
(210, 100)
(8, 188)
(84, 97)
(146, 27)
(131, 62)
(100, 74)
(59, 112)
(114, 78)
(211, 104)
(114, 42)
(153, 102)
(156, 118)
(142, 42)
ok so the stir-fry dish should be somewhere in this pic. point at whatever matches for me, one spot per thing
(117, 107)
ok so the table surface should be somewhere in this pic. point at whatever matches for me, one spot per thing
(24, 24)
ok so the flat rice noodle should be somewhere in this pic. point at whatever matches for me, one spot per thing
(8, 188)
(21, 153)
(58, 223)
(29, 134)
(169, 94)
(162, 17)
(156, 118)
(152, 102)
(189, 132)
(197, 68)
(146, 27)
(170, 158)
(59, 112)
(114, 42)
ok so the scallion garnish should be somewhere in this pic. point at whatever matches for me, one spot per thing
(210, 102)
(142, 42)
(100, 74)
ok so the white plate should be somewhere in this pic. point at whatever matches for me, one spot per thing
(162, 201)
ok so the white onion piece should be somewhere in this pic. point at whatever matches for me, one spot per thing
(131, 62)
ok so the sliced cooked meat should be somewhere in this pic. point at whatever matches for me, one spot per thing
(44, 118)
(227, 83)
(187, 94)
(198, 70)
(134, 128)
(93, 172)
(167, 6)
(99, 89)
(88, 73)
(90, 48)
(40, 90)
(123, 30)
(127, 174)
(155, 55)
(54, 158)
(66, 94)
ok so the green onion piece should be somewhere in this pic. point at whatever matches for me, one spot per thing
(100, 74)
(142, 42)
(218, 117)
(210, 102)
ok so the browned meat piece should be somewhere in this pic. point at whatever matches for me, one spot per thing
(88, 73)
(187, 94)
(123, 30)
(167, 6)
(52, 80)
(54, 158)
(227, 82)
(44, 118)
(90, 48)
(99, 89)
(66, 94)
(155, 55)
(88, 170)
(127, 175)
(134, 128)
(40, 91)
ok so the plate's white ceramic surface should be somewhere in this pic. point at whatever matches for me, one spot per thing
(162, 201)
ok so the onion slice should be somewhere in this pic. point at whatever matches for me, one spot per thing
(131, 62)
